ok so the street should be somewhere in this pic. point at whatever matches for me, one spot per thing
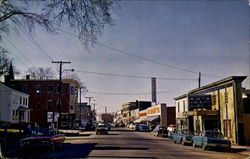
(123, 143)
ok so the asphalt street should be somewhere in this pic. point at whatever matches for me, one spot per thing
(124, 143)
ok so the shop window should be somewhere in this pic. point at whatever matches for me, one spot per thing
(227, 128)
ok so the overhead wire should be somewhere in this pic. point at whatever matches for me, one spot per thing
(17, 50)
(132, 76)
(143, 58)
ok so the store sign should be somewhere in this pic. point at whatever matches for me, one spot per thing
(200, 102)
(153, 83)
(154, 110)
(144, 114)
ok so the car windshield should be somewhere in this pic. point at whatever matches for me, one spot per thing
(213, 134)
(101, 126)
(43, 132)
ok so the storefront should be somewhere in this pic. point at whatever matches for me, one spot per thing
(155, 115)
(217, 106)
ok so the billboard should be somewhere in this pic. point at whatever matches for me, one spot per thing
(200, 102)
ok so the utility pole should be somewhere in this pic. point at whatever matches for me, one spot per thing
(199, 80)
(80, 106)
(59, 89)
(89, 99)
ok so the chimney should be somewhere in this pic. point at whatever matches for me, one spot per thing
(27, 77)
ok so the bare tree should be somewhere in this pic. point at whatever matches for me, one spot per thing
(40, 73)
(86, 17)
(4, 62)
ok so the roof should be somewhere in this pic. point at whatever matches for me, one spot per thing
(214, 84)
(72, 81)
(11, 89)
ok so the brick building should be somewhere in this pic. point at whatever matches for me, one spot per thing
(44, 98)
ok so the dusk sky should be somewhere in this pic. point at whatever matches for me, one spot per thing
(180, 38)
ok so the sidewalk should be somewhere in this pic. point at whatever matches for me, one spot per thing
(244, 150)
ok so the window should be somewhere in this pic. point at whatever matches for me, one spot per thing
(184, 106)
(13, 115)
(50, 90)
(38, 106)
(72, 90)
(20, 101)
(227, 128)
(71, 107)
(226, 97)
(25, 89)
(24, 99)
(49, 106)
(213, 99)
(178, 107)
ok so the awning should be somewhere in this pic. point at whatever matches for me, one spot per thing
(152, 118)
(22, 108)
(139, 120)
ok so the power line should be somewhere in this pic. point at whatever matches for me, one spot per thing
(132, 76)
(143, 58)
(17, 50)
(126, 93)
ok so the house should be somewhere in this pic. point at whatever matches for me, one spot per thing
(14, 105)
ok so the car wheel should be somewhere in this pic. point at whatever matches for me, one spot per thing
(204, 147)
(194, 145)
(174, 141)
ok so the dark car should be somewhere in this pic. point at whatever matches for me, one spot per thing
(43, 138)
(160, 131)
(210, 138)
(101, 129)
(182, 136)
(143, 128)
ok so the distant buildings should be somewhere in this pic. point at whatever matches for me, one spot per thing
(141, 112)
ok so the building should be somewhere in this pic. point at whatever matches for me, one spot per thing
(14, 105)
(129, 111)
(44, 97)
(83, 112)
(216, 106)
(157, 115)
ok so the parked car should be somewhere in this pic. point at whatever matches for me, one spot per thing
(43, 138)
(101, 129)
(171, 129)
(160, 131)
(183, 137)
(210, 138)
(143, 128)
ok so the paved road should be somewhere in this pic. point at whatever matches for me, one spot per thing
(124, 143)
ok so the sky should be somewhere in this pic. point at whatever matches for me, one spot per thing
(171, 40)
